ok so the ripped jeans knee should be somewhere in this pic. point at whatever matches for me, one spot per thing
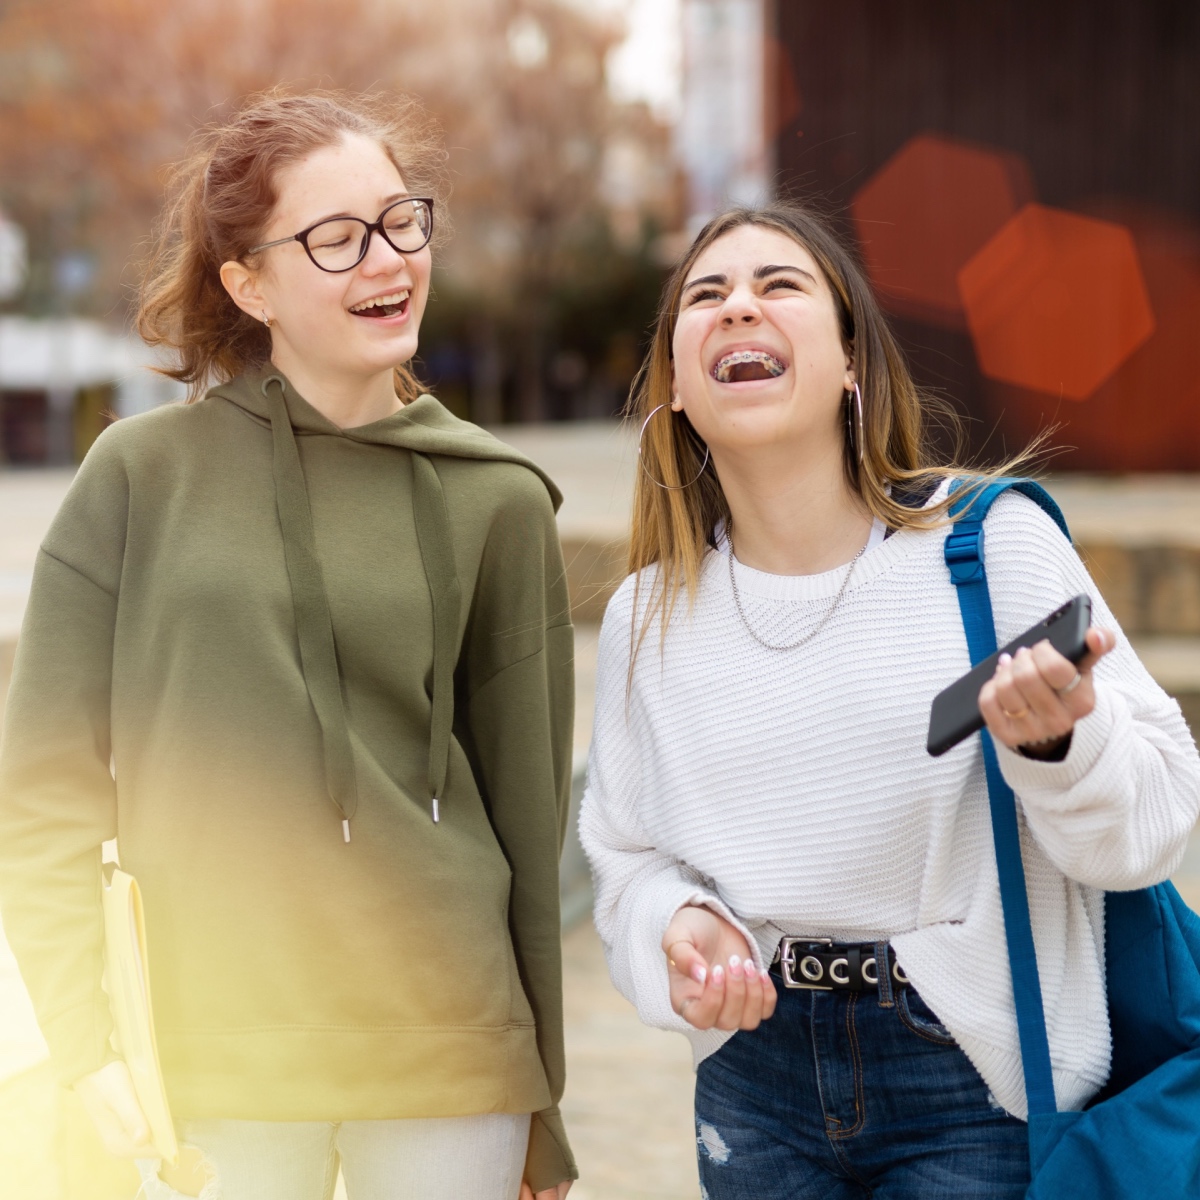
(711, 1143)
(192, 1178)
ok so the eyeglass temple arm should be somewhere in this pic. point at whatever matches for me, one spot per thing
(277, 242)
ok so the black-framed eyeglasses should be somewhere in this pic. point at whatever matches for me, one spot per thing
(341, 243)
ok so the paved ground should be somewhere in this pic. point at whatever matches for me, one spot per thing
(628, 1104)
(628, 1099)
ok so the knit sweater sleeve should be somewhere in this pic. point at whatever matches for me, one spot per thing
(638, 887)
(1117, 811)
(519, 722)
(57, 795)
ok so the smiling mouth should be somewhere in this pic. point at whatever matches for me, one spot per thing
(382, 306)
(742, 366)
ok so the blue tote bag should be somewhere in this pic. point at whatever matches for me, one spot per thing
(1140, 1137)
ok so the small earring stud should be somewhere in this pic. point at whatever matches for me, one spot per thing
(266, 319)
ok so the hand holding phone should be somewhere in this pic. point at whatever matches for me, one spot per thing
(955, 713)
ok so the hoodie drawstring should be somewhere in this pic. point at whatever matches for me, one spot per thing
(314, 625)
(437, 557)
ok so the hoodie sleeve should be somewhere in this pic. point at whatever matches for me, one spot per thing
(57, 795)
(519, 716)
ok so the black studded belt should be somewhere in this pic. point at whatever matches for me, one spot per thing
(826, 966)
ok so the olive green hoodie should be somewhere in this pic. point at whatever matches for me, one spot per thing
(331, 673)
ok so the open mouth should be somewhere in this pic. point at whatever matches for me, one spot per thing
(742, 366)
(382, 306)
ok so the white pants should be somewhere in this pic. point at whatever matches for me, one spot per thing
(433, 1158)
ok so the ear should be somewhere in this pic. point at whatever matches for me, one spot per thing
(242, 285)
(676, 399)
(850, 377)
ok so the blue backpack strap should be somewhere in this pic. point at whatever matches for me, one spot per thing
(964, 557)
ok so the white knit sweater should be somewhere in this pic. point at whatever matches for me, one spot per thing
(791, 791)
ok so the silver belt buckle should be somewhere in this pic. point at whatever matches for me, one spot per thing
(808, 966)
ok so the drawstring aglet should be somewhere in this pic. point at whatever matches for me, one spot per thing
(346, 829)
(436, 818)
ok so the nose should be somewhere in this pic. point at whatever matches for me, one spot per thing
(741, 308)
(381, 257)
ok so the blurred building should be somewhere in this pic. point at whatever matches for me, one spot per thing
(723, 137)
(561, 187)
(62, 380)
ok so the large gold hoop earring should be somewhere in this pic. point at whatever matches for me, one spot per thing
(670, 487)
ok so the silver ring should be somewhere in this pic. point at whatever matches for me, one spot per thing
(683, 1005)
(1063, 691)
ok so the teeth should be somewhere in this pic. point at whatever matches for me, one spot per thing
(724, 366)
(380, 301)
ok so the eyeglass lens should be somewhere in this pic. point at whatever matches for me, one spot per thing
(341, 243)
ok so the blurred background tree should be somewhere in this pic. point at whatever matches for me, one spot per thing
(560, 193)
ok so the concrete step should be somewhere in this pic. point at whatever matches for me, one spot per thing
(1175, 664)
(1138, 535)
(1152, 589)
(596, 564)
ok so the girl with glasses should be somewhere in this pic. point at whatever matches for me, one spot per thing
(782, 872)
(302, 645)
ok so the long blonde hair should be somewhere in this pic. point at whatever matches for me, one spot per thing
(672, 529)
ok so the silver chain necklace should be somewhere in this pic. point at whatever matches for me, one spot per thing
(812, 633)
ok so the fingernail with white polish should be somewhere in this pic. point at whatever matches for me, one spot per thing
(718, 975)
(1004, 660)
(699, 974)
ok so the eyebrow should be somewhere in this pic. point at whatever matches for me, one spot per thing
(759, 273)
(775, 268)
(386, 201)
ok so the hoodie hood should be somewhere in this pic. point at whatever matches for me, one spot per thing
(423, 425)
(427, 430)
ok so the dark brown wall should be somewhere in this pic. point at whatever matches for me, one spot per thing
(1101, 98)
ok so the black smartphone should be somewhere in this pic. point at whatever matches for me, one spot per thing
(955, 713)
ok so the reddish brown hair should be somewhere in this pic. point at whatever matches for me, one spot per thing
(220, 200)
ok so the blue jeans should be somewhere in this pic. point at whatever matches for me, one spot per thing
(844, 1094)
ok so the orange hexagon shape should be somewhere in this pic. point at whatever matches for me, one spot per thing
(1056, 301)
(925, 212)
(1146, 415)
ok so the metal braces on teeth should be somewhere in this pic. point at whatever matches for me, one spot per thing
(725, 367)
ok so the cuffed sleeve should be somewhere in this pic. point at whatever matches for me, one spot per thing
(549, 1160)
(1116, 812)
